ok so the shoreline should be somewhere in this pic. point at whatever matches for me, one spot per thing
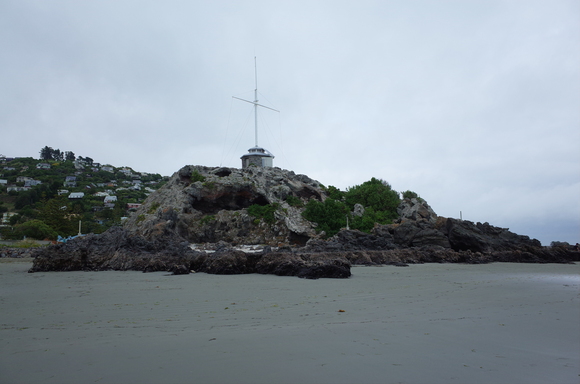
(426, 323)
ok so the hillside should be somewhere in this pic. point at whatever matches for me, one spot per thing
(47, 198)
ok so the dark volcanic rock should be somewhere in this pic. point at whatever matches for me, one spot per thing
(310, 266)
(114, 250)
(351, 240)
(465, 235)
(16, 253)
(117, 249)
(430, 237)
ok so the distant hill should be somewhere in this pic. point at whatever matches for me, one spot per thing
(61, 193)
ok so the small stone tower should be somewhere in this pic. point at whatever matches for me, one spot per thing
(257, 156)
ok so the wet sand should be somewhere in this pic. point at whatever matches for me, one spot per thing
(430, 323)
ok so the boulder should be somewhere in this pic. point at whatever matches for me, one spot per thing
(310, 266)
(416, 209)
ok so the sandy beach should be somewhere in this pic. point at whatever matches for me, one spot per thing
(429, 323)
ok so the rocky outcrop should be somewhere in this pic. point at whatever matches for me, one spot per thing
(416, 209)
(210, 205)
(203, 204)
(117, 249)
(18, 253)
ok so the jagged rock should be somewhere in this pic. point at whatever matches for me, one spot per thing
(349, 240)
(358, 210)
(16, 252)
(113, 250)
(180, 269)
(430, 237)
(405, 232)
(310, 266)
(117, 249)
(464, 235)
(416, 209)
(203, 204)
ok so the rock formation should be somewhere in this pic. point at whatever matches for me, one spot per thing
(214, 205)
(203, 204)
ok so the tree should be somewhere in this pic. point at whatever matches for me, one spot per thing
(409, 195)
(57, 155)
(330, 215)
(376, 194)
(35, 229)
(56, 213)
(69, 156)
(46, 153)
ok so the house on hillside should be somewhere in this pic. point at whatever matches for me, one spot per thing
(6, 217)
(76, 195)
(32, 183)
(107, 168)
(133, 206)
(70, 181)
(109, 199)
(42, 166)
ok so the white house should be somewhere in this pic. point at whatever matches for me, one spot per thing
(76, 195)
(32, 183)
(110, 199)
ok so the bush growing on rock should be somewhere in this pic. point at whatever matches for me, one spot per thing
(380, 204)
(196, 176)
(330, 215)
(265, 212)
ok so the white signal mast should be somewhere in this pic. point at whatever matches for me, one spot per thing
(257, 156)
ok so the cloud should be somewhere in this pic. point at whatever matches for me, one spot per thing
(474, 105)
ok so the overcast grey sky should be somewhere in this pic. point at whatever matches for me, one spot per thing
(472, 104)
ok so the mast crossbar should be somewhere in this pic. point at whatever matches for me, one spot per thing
(255, 103)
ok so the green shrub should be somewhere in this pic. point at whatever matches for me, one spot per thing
(206, 219)
(334, 193)
(153, 207)
(376, 196)
(265, 212)
(411, 195)
(34, 229)
(330, 215)
(140, 218)
(196, 176)
(294, 201)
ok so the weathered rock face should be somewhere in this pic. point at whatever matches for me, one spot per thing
(215, 206)
(416, 210)
(116, 249)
